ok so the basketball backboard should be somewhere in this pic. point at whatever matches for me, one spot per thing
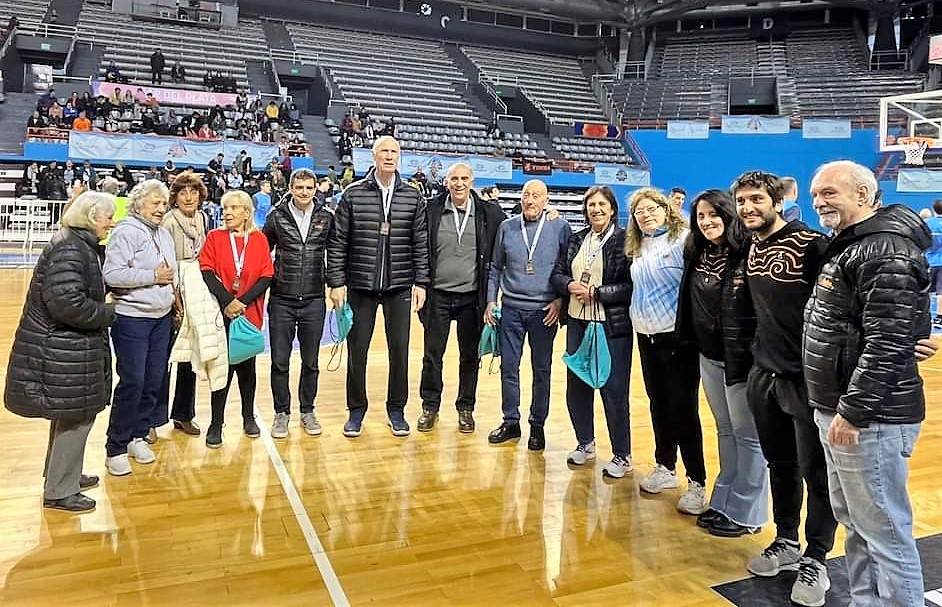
(910, 115)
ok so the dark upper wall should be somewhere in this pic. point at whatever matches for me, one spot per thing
(409, 24)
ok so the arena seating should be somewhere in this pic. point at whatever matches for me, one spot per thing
(440, 139)
(130, 44)
(413, 81)
(588, 149)
(555, 85)
(27, 12)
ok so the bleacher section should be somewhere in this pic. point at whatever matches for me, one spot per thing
(440, 139)
(413, 81)
(555, 85)
(27, 12)
(130, 44)
(587, 149)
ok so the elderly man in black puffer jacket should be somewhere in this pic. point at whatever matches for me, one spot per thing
(378, 254)
(868, 309)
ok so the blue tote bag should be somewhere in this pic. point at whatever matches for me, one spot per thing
(490, 340)
(339, 322)
(592, 361)
(245, 340)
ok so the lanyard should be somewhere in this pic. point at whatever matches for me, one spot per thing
(536, 237)
(591, 255)
(464, 222)
(238, 259)
(387, 201)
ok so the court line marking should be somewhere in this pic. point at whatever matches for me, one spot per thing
(321, 561)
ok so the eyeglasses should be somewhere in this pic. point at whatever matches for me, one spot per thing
(647, 211)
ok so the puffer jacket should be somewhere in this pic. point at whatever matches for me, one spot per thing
(60, 363)
(201, 340)
(737, 316)
(487, 218)
(299, 264)
(868, 308)
(615, 291)
(357, 257)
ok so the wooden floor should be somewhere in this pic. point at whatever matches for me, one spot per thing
(433, 519)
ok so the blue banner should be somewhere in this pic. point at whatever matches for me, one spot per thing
(613, 174)
(688, 129)
(156, 149)
(756, 125)
(829, 128)
(919, 180)
(435, 165)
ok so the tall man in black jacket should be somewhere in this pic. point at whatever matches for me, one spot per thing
(378, 254)
(781, 268)
(297, 229)
(869, 307)
(462, 228)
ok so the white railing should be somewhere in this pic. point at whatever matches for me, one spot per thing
(29, 220)
(485, 81)
(46, 30)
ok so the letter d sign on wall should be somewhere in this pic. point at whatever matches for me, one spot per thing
(768, 23)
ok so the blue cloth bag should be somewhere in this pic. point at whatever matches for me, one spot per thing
(592, 361)
(489, 343)
(245, 340)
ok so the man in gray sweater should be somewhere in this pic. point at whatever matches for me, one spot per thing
(525, 253)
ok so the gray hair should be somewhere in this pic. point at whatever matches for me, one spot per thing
(457, 165)
(381, 140)
(85, 209)
(243, 199)
(144, 190)
(305, 174)
(857, 175)
(109, 185)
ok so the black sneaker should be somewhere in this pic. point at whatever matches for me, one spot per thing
(723, 527)
(72, 503)
(537, 440)
(251, 428)
(503, 433)
(88, 482)
(466, 421)
(397, 423)
(214, 437)
(426, 420)
(709, 517)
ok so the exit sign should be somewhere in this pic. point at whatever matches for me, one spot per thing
(45, 46)
(295, 71)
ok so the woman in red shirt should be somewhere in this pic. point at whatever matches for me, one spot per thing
(237, 268)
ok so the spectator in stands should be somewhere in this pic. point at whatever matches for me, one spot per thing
(86, 103)
(140, 266)
(69, 114)
(234, 180)
(376, 212)
(36, 121)
(88, 175)
(242, 101)
(178, 73)
(238, 279)
(525, 253)
(123, 174)
(215, 165)
(60, 363)
(262, 201)
(55, 114)
(677, 197)
(127, 102)
(271, 112)
(205, 132)
(168, 174)
(139, 96)
(325, 190)
(46, 100)
(790, 208)
(82, 123)
(208, 80)
(332, 174)
(347, 176)
(346, 125)
(113, 74)
(294, 115)
(157, 63)
(68, 172)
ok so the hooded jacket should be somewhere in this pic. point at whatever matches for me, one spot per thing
(868, 308)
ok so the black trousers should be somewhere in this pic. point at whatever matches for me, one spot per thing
(792, 446)
(184, 393)
(397, 307)
(464, 309)
(288, 318)
(671, 377)
(246, 372)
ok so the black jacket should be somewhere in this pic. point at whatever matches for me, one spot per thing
(737, 316)
(60, 363)
(615, 291)
(359, 258)
(299, 264)
(868, 308)
(487, 218)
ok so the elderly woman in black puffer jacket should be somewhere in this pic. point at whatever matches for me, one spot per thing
(60, 363)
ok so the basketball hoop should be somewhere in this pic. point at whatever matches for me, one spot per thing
(915, 149)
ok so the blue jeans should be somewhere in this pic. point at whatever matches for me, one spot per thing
(287, 318)
(869, 497)
(142, 350)
(515, 325)
(741, 491)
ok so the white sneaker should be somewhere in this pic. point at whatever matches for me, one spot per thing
(618, 467)
(693, 501)
(141, 452)
(812, 584)
(581, 454)
(659, 479)
(118, 465)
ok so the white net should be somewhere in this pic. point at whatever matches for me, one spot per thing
(915, 151)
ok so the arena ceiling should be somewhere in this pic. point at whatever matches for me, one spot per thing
(638, 13)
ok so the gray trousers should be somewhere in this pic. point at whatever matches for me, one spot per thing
(64, 456)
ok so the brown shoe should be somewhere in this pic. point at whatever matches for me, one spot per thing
(427, 420)
(188, 427)
(151, 437)
(466, 421)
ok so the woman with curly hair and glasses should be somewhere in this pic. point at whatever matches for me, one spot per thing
(655, 244)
